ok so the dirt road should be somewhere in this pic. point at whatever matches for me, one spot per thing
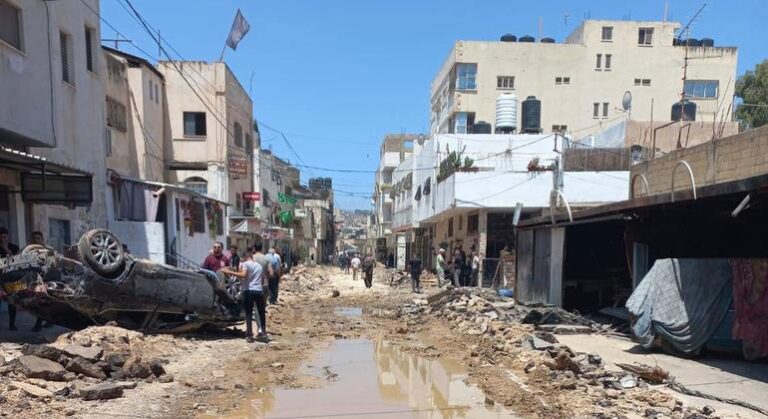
(383, 351)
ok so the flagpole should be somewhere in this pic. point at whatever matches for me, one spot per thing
(223, 50)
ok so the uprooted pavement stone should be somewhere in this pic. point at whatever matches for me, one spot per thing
(156, 367)
(81, 365)
(534, 343)
(35, 367)
(92, 353)
(43, 351)
(32, 389)
(549, 337)
(102, 391)
(116, 360)
(335, 293)
(136, 368)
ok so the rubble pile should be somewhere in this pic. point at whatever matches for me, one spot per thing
(527, 338)
(97, 363)
(303, 278)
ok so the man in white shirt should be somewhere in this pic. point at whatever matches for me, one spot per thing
(355, 267)
(254, 280)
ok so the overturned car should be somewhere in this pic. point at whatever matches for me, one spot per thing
(97, 282)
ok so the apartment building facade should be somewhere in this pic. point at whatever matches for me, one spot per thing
(52, 166)
(582, 81)
(210, 125)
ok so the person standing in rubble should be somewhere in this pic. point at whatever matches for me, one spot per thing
(355, 266)
(274, 278)
(415, 268)
(217, 259)
(253, 273)
(440, 268)
(475, 269)
(368, 264)
(8, 249)
(458, 267)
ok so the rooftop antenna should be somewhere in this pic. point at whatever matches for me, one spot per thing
(117, 40)
(666, 11)
(541, 26)
(685, 31)
(565, 17)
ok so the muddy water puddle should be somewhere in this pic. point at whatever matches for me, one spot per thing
(349, 311)
(363, 378)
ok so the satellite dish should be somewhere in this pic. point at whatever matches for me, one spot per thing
(626, 101)
(420, 139)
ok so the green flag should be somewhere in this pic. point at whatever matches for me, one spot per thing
(285, 199)
(286, 217)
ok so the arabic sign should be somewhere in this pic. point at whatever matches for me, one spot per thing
(238, 167)
(252, 196)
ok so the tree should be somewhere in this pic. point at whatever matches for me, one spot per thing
(752, 89)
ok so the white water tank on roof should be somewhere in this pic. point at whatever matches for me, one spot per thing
(506, 112)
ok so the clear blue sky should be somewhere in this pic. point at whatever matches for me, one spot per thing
(337, 75)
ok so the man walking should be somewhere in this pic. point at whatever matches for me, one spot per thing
(368, 264)
(415, 265)
(274, 278)
(458, 267)
(251, 274)
(217, 259)
(440, 268)
(355, 267)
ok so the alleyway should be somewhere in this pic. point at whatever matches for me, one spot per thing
(379, 352)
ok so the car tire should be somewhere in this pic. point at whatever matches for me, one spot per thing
(102, 252)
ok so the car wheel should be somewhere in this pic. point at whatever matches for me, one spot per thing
(102, 251)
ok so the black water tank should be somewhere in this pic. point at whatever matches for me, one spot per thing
(707, 42)
(482, 127)
(508, 38)
(531, 116)
(547, 40)
(677, 42)
(692, 42)
(688, 108)
(527, 38)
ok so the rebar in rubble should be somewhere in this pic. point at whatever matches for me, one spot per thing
(679, 387)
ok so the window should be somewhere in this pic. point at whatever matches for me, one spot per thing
(461, 222)
(465, 76)
(151, 92)
(67, 70)
(238, 202)
(558, 80)
(505, 82)
(595, 110)
(197, 210)
(605, 109)
(157, 93)
(197, 184)
(559, 128)
(107, 141)
(194, 124)
(450, 227)
(116, 115)
(646, 82)
(10, 24)
(238, 134)
(472, 223)
(89, 47)
(248, 143)
(598, 61)
(562, 80)
(701, 89)
(463, 122)
(115, 70)
(607, 62)
(607, 33)
(645, 36)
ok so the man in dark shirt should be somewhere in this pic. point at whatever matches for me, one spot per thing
(415, 265)
(8, 249)
(217, 259)
(234, 258)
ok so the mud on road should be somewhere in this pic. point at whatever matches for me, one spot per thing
(220, 375)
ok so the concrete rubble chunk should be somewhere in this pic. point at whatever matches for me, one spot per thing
(126, 385)
(103, 391)
(565, 329)
(136, 368)
(83, 366)
(92, 353)
(43, 351)
(35, 367)
(32, 390)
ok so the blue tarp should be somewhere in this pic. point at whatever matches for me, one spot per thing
(683, 301)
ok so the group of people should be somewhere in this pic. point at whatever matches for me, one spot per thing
(259, 275)
(358, 266)
(8, 249)
(463, 270)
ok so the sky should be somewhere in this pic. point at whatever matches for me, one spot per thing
(335, 76)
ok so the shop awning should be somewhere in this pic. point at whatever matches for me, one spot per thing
(44, 181)
(248, 226)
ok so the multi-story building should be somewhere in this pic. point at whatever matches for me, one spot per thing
(210, 144)
(51, 120)
(582, 81)
(394, 149)
(156, 220)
